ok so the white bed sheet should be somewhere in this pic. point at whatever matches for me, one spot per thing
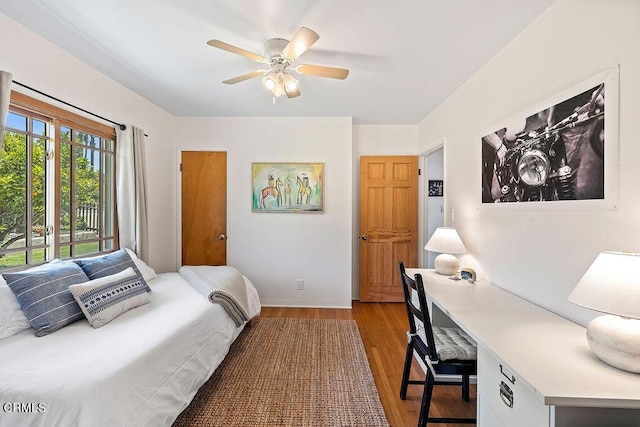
(141, 369)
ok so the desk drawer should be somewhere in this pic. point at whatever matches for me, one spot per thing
(507, 396)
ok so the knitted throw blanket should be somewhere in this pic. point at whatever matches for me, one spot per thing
(223, 285)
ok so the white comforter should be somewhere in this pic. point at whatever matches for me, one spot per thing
(142, 369)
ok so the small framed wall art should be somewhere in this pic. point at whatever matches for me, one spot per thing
(287, 187)
(436, 188)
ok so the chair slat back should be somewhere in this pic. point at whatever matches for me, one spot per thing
(419, 311)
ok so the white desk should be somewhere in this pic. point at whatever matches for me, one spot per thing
(547, 353)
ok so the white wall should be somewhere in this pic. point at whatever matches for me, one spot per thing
(275, 249)
(541, 255)
(375, 140)
(384, 140)
(37, 63)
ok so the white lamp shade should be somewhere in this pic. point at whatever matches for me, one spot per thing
(445, 240)
(611, 285)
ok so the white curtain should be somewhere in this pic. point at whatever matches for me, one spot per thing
(131, 191)
(5, 97)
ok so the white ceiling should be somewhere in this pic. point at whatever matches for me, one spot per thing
(405, 56)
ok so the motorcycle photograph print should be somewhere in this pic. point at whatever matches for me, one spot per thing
(555, 154)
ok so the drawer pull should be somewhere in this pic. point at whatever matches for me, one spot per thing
(512, 380)
(506, 394)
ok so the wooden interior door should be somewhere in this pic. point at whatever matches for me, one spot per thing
(204, 207)
(388, 224)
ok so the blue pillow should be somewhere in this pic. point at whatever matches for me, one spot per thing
(44, 295)
(107, 265)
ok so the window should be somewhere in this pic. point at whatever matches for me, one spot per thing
(57, 185)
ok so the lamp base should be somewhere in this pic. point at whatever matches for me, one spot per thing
(446, 264)
(616, 341)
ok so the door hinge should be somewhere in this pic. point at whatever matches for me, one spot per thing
(180, 167)
(419, 171)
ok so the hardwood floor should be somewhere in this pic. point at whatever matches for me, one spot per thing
(383, 329)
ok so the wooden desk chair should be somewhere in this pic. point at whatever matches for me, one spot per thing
(445, 351)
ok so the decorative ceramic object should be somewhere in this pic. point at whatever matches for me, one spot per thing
(468, 274)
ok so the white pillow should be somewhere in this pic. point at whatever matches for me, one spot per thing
(147, 272)
(105, 298)
(12, 318)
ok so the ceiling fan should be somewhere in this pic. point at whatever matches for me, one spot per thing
(279, 55)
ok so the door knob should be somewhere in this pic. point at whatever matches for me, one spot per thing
(222, 237)
(364, 237)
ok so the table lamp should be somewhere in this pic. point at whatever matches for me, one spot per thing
(612, 285)
(446, 241)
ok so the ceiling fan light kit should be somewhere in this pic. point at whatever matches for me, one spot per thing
(279, 54)
(280, 83)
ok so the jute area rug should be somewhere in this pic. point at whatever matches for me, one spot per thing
(290, 372)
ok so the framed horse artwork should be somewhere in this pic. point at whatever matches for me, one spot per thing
(287, 187)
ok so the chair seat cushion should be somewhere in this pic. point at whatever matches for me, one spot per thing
(452, 343)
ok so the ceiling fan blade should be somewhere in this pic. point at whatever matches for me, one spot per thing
(300, 42)
(292, 93)
(322, 71)
(233, 49)
(244, 77)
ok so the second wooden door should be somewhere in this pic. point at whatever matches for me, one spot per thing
(388, 224)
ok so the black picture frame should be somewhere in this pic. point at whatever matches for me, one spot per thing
(436, 188)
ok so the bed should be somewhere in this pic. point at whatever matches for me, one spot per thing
(141, 369)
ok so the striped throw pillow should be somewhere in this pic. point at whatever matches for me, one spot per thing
(44, 296)
(106, 265)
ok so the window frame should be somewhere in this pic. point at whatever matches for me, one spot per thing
(57, 118)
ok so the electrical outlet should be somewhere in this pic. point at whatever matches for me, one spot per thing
(300, 284)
